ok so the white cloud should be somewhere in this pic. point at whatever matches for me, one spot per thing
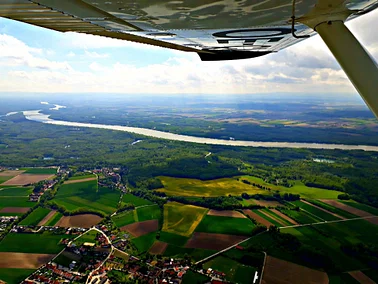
(71, 54)
(94, 54)
(14, 52)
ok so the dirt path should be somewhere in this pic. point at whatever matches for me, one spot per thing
(47, 218)
(79, 180)
(361, 277)
(273, 217)
(258, 218)
(283, 216)
(324, 210)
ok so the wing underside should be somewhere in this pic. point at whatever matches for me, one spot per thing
(216, 29)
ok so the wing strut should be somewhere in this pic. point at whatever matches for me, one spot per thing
(357, 63)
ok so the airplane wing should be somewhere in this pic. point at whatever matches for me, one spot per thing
(215, 29)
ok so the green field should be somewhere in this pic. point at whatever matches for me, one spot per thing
(16, 191)
(332, 209)
(136, 201)
(88, 237)
(79, 177)
(144, 243)
(32, 243)
(54, 219)
(87, 195)
(235, 186)
(40, 171)
(317, 212)
(173, 239)
(191, 277)
(225, 225)
(5, 178)
(182, 219)
(35, 217)
(14, 275)
(124, 218)
(274, 222)
(341, 278)
(210, 188)
(18, 201)
(301, 216)
(181, 252)
(298, 188)
(148, 213)
(235, 272)
(367, 208)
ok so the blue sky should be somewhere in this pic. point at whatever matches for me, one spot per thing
(34, 59)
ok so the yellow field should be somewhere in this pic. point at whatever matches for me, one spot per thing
(210, 188)
(182, 219)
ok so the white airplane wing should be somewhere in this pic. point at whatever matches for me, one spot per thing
(215, 29)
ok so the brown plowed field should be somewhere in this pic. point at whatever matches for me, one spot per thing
(324, 210)
(272, 217)
(283, 216)
(24, 179)
(158, 248)
(213, 241)
(279, 271)
(267, 203)
(361, 277)
(346, 208)
(79, 180)
(82, 221)
(226, 213)
(14, 210)
(47, 217)
(10, 173)
(23, 260)
(258, 218)
(141, 228)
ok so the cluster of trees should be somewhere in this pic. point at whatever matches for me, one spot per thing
(62, 209)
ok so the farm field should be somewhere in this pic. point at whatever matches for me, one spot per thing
(139, 229)
(35, 217)
(14, 275)
(125, 218)
(182, 219)
(158, 248)
(347, 208)
(213, 241)
(81, 220)
(15, 191)
(258, 218)
(191, 277)
(299, 188)
(23, 260)
(16, 201)
(87, 195)
(54, 219)
(271, 219)
(25, 179)
(265, 203)
(279, 218)
(174, 239)
(235, 272)
(136, 201)
(40, 171)
(315, 211)
(210, 188)
(360, 206)
(361, 277)
(225, 225)
(301, 217)
(45, 243)
(332, 209)
(281, 271)
(144, 243)
(10, 173)
(148, 213)
(80, 180)
(226, 213)
(181, 252)
(79, 177)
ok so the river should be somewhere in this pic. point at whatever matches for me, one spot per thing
(36, 115)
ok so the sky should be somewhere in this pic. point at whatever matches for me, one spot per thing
(34, 59)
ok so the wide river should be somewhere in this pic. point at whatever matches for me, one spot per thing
(36, 115)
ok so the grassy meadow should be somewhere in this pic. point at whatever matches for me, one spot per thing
(225, 225)
(35, 217)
